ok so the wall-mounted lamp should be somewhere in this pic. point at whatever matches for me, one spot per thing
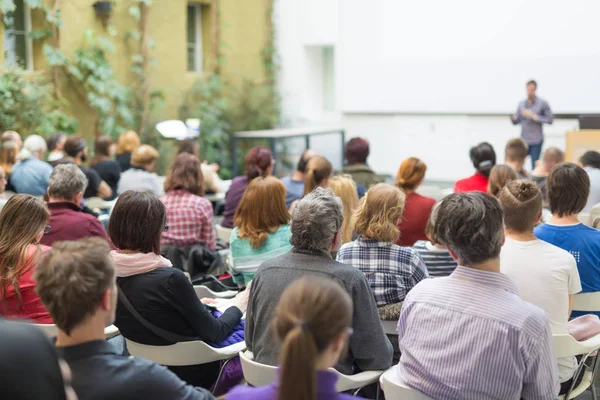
(103, 11)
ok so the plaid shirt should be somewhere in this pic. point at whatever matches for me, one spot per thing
(190, 220)
(392, 271)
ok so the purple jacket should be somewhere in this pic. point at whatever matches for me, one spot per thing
(233, 198)
(237, 335)
(326, 381)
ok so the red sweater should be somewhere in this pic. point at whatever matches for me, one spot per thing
(475, 183)
(414, 219)
(32, 307)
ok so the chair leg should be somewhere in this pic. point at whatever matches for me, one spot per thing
(214, 391)
(593, 389)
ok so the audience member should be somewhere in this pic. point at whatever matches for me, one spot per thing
(76, 149)
(56, 144)
(103, 163)
(474, 318)
(356, 154)
(435, 255)
(189, 215)
(499, 176)
(590, 161)
(546, 275)
(31, 174)
(345, 188)
(209, 172)
(22, 224)
(259, 162)
(392, 271)
(162, 295)
(76, 282)
(312, 323)
(315, 226)
(262, 229)
(30, 368)
(3, 182)
(139, 176)
(483, 158)
(417, 208)
(67, 220)
(12, 136)
(515, 153)
(8, 158)
(127, 143)
(568, 191)
(294, 184)
(550, 158)
(318, 172)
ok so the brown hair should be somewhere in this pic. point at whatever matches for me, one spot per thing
(430, 226)
(378, 213)
(8, 155)
(22, 219)
(317, 170)
(516, 150)
(568, 189)
(74, 145)
(553, 155)
(345, 188)
(102, 149)
(262, 210)
(522, 204)
(137, 222)
(185, 174)
(189, 146)
(410, 174)
(72, 279)
(258, 161)
(144, 156)
(357, 151)
(501, 174)
(311, 314)
(128, 142)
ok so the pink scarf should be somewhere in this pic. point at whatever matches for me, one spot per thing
(137, 263)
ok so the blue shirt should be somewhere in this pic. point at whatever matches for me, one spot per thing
(31, 176)
(531, 131)
(294, 190)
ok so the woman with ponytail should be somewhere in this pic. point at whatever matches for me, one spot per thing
(259, 162)
(318, 172)
(312, 323)
(483, 158)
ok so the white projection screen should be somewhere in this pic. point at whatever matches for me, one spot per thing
(468, 56)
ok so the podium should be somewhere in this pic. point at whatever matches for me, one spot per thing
(578, 142)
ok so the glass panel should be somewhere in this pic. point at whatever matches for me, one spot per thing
(19, 16)
(328, 79)
(21, 50)
(191, 54)
(191, 24)
(10, 55)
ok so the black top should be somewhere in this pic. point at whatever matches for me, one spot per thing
(94, 182)
(99, 372)
(124, 161)
(28, 364)
(166, 298)
(110, 172)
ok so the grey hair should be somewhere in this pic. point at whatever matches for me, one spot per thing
(31, 145)
(66, 181)
(471, 225)
(316, 219)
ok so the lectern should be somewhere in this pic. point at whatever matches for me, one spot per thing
(578, 142)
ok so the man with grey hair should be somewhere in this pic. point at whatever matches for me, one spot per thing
(31, 174)
(469, 335)
(316, 223)
(67, 220)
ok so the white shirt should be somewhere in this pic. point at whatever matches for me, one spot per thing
(594, 174)
(546, 275)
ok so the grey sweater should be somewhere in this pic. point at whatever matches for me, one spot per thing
(369, 347)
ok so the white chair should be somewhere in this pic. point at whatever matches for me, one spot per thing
(567, 346)
(257, 374)
(395, 389)
(203, 291)
(51, 330)
(223, 233)
(389, 327)
(586, 301)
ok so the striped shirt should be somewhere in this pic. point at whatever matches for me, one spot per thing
(439, 262)
(470, 336)
(391, 270)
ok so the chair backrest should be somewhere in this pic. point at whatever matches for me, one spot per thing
(566, 345)
(394, 389)
(584, 218)
(49, 330)
(586, 301)
(223, 233)
(257, 374)
(389, 327)
(203, 291)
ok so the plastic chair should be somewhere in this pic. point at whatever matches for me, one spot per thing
(257, 374)
(586, 301)
(584, 218)
(51, 330)
(389, 327)
(203, 291)
(223, 233)
(394, 388)
(567, 346)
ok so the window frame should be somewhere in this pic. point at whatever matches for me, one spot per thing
(197, 46)
(28, 40)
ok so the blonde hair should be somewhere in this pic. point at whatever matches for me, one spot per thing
(8, 155)
(318, 170)
(345, 188)
(144, 156)
(128, 142)
(378, 213)
(410, 174)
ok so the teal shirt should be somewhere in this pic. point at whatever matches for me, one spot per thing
(245, 259)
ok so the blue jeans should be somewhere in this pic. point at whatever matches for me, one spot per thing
(535, 150)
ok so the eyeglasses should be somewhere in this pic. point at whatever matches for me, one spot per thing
(47, 229)
(166, 228)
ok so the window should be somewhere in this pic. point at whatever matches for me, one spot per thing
(194, 37)
(17, 44)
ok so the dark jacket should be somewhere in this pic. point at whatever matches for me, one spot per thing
(195, 259)
(233, 198)
(363, 175)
